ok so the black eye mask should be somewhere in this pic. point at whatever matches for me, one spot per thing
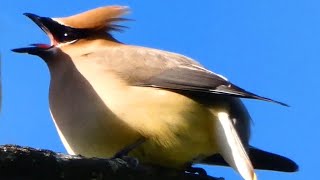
(63, 33)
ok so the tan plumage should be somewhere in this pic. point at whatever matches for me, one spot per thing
(97, 19)
(105, 96)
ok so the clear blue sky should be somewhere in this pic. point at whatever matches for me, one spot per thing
(269, 47)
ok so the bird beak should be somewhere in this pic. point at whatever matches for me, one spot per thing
(46, 24)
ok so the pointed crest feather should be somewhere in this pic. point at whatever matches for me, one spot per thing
(101, 18)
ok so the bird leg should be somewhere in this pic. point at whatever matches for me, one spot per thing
(123, 153)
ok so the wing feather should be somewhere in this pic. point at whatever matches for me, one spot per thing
(200, 81)
(140, 66)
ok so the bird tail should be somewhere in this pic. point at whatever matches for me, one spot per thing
(260, 160)
(231, 147)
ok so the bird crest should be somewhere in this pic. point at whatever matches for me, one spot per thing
(99, 19)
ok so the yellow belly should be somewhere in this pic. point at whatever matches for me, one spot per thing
(178, 129)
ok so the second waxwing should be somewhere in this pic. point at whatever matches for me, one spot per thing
(169, 110)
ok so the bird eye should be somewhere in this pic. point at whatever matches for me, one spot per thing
(68, 34)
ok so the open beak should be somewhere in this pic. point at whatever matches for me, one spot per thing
(45, 24)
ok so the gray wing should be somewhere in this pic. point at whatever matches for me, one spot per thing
(140, 66)
(196, 79)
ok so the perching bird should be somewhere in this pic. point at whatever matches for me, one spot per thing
(163, 108)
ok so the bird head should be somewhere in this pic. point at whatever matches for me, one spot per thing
(89, 25)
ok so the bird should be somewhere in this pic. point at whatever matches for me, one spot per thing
(108, 98)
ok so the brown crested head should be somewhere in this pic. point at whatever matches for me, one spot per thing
(95, 23)
(102, 18)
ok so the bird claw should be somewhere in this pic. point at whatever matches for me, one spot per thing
(123, 154)
(131, 161)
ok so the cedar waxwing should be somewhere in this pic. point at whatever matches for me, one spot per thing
(163, 108)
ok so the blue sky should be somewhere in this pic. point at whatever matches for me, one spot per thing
(268, 47)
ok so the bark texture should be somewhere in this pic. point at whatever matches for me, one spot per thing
(26, 163)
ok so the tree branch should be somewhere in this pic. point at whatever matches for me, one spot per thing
(27, 163)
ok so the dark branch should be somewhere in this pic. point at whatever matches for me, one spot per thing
(27, 163)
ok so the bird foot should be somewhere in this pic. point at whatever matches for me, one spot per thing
(123, 154)
(130, 161)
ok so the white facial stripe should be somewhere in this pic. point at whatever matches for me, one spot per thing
(60, 22)
(66, 43)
